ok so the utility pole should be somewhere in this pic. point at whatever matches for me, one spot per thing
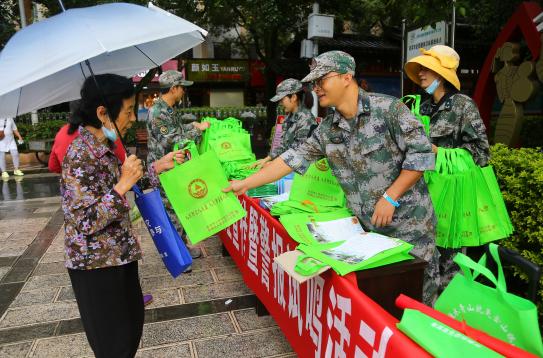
(315, 108)
(403, 59)
(23, 5)
(453, 24)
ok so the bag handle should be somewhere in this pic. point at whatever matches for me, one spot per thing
(466, 264)
(187, 154)
(136, 189)
(307, 265)
(494, 251)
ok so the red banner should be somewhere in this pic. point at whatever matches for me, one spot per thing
(327, 316)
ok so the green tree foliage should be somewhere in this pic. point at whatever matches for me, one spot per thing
(9, 20)
(520, 175)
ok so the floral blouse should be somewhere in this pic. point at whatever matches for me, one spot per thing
(96, 217)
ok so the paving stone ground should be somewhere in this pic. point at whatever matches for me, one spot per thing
(207, 313)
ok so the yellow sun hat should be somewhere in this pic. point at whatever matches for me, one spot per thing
(439, 58)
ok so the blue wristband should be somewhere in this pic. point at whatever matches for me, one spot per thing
(390, 200)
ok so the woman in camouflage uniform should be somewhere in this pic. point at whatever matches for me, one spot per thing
(455, 121)
(299, 123)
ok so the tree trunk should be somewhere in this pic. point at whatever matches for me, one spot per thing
(271, 107)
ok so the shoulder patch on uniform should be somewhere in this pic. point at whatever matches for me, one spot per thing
(164, 130)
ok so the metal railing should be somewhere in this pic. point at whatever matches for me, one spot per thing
(244, 113)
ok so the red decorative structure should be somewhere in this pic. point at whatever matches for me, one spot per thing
(520, 25)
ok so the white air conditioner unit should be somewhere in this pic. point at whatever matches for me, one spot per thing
(320, 26)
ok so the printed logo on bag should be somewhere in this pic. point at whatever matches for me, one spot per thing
(226, 145)
(197, 188)
(322, 165)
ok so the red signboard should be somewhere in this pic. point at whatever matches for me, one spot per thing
(327, 316)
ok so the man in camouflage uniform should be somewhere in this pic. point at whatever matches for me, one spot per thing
(166, 129)
(377, 150)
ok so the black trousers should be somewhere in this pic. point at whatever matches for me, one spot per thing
(111, 307)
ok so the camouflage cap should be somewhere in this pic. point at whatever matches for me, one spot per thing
(288, 86)
(331, 61)
(172, 78)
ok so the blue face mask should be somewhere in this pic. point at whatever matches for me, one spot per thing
(110, 134)
(432, 88)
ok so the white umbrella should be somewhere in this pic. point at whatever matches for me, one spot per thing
(44, 63)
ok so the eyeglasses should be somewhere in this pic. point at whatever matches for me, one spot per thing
(320, 81)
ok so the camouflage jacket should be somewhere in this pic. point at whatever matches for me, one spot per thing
(297, 127)
(366, 154)
(165, 129)
(458, 124)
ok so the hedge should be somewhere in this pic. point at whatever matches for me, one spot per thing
(520, 176)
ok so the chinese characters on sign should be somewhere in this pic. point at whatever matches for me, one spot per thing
(217, 70)
(326, 316)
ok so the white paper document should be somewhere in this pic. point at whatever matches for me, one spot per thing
(357, 245)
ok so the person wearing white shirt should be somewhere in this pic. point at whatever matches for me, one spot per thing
(8, 144)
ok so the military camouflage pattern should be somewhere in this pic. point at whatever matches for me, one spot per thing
(172, 78)
(164, 129)
(331, 61)
(458, 124)
(288, 86)
(366, 154)
(296, 129)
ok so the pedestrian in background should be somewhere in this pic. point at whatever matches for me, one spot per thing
(8, 129)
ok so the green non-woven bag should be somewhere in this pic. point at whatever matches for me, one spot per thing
(493, 310)
(296, 224)
(323, 254)
(232, 147)
(442, 190)
(318, 185)
(413, 102)
(306, 206)
(194, 189)
(492, 184)
(440, 340)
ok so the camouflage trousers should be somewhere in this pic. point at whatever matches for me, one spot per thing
(425, 248)
(447, 267)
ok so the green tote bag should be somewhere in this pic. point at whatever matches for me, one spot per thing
(194, 189)
(318, 185)
(493, 310)
(440, 340)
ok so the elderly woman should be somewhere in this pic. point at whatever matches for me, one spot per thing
(101, 249)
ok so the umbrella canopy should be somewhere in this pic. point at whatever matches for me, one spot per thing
(44, 63)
